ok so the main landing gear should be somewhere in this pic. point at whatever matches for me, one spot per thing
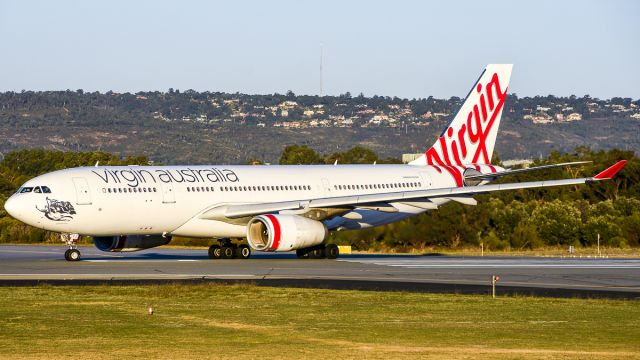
(322, 251)
(229, 250)
(72, 254)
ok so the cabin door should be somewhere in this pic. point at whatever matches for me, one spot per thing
(83, 196)
(168, 194)
(326, 187)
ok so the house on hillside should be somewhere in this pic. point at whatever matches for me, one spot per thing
(574, 117)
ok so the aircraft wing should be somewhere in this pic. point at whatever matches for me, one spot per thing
(500, 174)
(246, 210)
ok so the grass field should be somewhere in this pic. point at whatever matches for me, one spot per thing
(223, 321)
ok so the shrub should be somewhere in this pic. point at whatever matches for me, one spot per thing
(558, 222)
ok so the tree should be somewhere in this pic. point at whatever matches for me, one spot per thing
(525, 236)
(603, 226)
(300, 154)
(558, 222)
(355, 155)
(630, 227)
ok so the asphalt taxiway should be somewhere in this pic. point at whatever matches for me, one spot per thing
(574, 277)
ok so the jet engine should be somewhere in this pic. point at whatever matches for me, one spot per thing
(273, 232)
(126, 243)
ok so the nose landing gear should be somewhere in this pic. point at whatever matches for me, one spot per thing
(72, 254)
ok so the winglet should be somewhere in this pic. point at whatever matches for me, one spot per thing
(611, 171)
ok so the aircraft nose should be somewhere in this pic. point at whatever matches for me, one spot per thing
(12, 207)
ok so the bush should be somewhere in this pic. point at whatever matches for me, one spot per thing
(558, 222)
(603, 226)
(618, 242)
(627, 206)
(492, 242)
(630, 227)
(525, 236)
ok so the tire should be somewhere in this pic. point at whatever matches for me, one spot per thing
(66, 255)
(215, 252)
(317, 253)
(332, 251)
(302, 253)
(74, 255)
(243, 252)
(228, 252)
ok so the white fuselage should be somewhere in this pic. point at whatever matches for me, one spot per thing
(107, 200)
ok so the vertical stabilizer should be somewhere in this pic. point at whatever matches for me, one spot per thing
(471, 136)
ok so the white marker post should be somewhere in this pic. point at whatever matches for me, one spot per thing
(494, 280)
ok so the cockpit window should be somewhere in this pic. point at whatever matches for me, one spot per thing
(34, 189)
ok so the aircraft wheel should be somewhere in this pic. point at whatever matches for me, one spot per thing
(228, 252)
(317, 253)
(243, 252)
(331, 251)
(215, 252)
(302, 253)
(72, 255)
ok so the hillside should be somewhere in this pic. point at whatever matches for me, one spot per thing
(197, 127)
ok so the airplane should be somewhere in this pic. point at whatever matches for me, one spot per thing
(277, 208)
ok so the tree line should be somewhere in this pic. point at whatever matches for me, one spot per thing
(87, 108)
(521, 219)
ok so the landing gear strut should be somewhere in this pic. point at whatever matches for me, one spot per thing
(228, 250)
(328, 251)
(72, 254)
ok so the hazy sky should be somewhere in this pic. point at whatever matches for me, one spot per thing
(395, 48)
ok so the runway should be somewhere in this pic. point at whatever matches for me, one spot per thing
(573, 277)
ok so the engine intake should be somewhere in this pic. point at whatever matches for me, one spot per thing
(272, 232)
(127, 243)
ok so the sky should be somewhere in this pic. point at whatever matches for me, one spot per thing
(409, 49)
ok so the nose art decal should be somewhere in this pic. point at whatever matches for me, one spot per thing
(57, 210)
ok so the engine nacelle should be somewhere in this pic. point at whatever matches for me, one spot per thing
(126, 243)
(272, 232)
